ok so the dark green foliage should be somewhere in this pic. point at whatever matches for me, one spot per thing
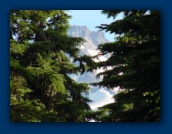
(135, 62)
(41, 90)
(135, 66)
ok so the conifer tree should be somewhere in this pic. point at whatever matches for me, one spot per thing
(40, 88)
(135, 62)
(135, 66)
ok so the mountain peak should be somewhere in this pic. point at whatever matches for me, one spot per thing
(81, 27)
(96, 37)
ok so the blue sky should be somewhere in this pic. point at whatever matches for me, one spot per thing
(91, 19)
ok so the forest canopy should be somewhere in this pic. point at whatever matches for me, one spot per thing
(40, 51)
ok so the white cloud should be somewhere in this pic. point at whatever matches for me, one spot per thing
(100, 98)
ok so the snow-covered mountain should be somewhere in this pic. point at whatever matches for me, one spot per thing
(93, 39)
